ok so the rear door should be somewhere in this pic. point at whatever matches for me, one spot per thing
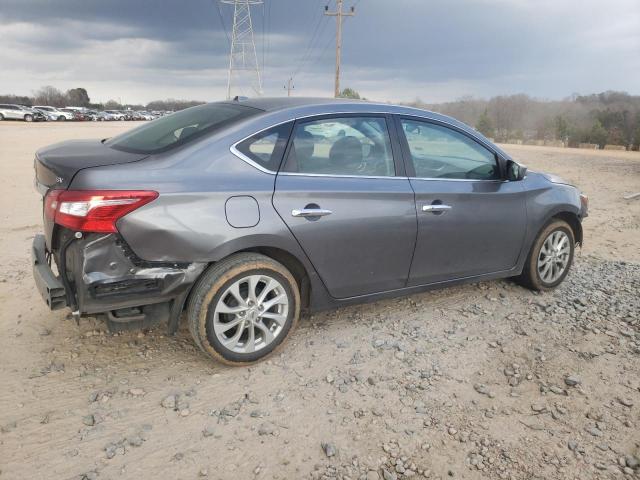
(347, 201)
(470, 220)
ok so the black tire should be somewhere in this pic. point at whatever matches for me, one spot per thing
(62, 118)
(530, 276)
(1, 117)
(213, 284)
(28, 118)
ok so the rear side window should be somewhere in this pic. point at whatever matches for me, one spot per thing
(176, 129)
(267, 148)
(352, 146)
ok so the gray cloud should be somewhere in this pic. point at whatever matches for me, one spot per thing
(436, 50)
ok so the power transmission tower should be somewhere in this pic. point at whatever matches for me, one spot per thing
(243, 56)
(289, 86)
(338, 14)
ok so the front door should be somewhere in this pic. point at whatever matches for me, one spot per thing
(470, 221)
(339, 195)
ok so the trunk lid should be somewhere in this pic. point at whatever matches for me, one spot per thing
(57, 164)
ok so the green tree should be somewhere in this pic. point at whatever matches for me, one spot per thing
(349, 93)
(636, 138)
(615, 136)
(562, 127)
(485, 125)
(113, 105)
(598, 134)
(78, 97)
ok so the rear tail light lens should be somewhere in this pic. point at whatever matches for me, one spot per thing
(93, 210)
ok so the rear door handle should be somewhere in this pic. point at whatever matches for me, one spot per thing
(310, 212)
(436, 208)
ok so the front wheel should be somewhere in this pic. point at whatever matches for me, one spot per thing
(28, 118)
(550, 257)
(243, 308)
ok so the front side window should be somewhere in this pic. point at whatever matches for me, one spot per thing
(354, 146)
(267, 148)
(440, 152)
(180, 127)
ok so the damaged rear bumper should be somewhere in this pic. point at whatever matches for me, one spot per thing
(49, 285)
(107, 280)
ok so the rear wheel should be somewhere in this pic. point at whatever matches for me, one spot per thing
(1, 117)
(28, 118)
(243, 308)
(62, 118)
(550, 257)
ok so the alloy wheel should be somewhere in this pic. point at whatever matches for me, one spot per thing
(553, 258)
(251, 313)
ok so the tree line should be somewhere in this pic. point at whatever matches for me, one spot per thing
(78, 97)
(608, 118)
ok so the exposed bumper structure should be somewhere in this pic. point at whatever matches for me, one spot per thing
(49, 285)
(108, 281)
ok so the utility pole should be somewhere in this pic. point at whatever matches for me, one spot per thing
(289, 86)
(243, 55)
(338, 14)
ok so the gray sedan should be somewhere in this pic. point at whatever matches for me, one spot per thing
(242, 214)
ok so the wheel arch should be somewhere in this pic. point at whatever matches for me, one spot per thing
(292, 263)
(286, 258)
(574, 222)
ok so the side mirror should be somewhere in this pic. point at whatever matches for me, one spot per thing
(515, 172)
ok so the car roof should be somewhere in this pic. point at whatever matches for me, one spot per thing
(271, 104)
(336, 105)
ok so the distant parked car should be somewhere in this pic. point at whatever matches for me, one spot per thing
(49, 116)
(108, 116)
(96, 116)
(116, 114)
(90, 115)
(75, 115)
(37, 115)
(20, 112)
(61, 116)
(146, 116)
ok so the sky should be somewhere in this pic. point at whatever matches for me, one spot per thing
(136, 51)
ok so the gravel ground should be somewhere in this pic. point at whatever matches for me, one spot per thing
(485, 380)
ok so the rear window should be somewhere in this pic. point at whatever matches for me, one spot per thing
(178, 128)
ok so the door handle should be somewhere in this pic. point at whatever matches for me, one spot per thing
(436, 208)
(310, 212)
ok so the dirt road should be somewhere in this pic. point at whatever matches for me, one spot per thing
(477, 381)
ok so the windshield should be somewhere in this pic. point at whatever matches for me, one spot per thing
(180, 127)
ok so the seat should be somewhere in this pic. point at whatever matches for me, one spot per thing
(346, 156)
(302, 151)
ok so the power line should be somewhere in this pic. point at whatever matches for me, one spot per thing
(289, 86)
(224, 27)
(319, 29)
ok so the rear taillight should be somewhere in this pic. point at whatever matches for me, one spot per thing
(93, 210)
